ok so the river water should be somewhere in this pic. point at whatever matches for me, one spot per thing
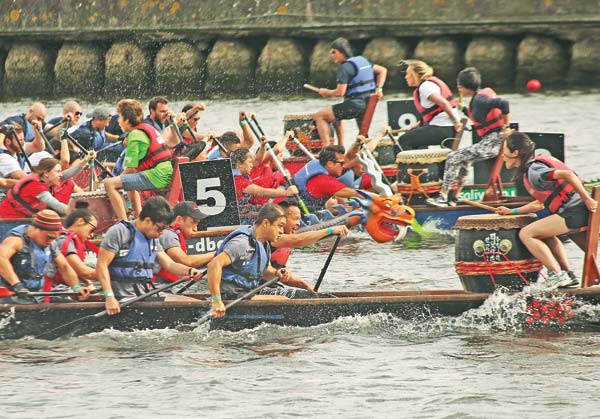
(484, 364)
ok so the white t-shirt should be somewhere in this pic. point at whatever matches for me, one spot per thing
(8, 165)
(428, 88)
(35, 158)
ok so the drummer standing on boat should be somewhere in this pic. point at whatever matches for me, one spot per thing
(490, 115)
(356, 80)
(559, 190)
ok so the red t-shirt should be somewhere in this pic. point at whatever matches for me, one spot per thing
(264, 176)
(324, 186)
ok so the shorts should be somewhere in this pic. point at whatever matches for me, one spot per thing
(136, 182)
(576, 217)
(350, 108)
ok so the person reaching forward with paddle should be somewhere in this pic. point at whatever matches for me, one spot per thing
(242, 260)
(130, 251)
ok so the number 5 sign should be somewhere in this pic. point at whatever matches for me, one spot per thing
(210, 185)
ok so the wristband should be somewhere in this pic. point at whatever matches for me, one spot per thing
(379, 89)
(330, 231)
(243, 122)
(515, 211)
(76, 287)
(455, 121)
(109, 294)
(215, 298)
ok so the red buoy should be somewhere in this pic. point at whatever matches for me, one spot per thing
(534, 85)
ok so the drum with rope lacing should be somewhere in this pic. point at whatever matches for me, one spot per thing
(99, 204)
(489, 253)
(420, 172)
(305, 128)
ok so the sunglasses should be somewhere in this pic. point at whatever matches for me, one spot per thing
(94, 227)
(338, 161)
(78, 113)
(160, 227)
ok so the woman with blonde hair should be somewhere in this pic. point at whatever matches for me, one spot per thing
(434, 101)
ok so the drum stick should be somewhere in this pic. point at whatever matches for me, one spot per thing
(478, 205)
(311, 87)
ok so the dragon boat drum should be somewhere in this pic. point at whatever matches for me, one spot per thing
(305, 128)
(385, 154)
(98, 203)
(489, 253)
(420, 172)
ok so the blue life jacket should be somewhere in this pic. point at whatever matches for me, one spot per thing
(247, 196)
(31, 262)
(364, 79)
(301, 178)
(28, 130)
(249, 276)
(118, 169)
(89, 137)
(348, 179)
(214, 154)
(156, 125)
(136, 263)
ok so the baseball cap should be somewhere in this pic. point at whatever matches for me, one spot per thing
(47, 220)
(190, 209)
(100, 113)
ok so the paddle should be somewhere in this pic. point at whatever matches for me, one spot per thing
(102, 313)
(326, 265)
(235, 302)
(41, 133)
(77, 144)
(311, 87)
(189, 284)
(303, 147)
(478, 205)
(280, 167)
(22, 150)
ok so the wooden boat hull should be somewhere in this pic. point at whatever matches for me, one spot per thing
(17, 321)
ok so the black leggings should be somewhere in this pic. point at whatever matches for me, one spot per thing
(423, 137)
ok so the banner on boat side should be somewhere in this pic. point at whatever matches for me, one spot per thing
(210, 185)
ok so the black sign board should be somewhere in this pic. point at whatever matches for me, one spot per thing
(401, 113)
(210, 185)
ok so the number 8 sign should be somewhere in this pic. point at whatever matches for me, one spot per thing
(210, 185)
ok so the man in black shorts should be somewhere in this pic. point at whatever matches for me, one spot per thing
(356, 80)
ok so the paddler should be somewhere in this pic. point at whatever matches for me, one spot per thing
(173, 240)
(357, 79)
(25, 255)
(243, 259)
(131, 250)
(282, 248)
(560, 191)
(147, 163)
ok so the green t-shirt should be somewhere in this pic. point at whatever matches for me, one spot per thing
(137, 147)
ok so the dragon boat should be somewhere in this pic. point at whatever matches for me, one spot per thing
(489, 259)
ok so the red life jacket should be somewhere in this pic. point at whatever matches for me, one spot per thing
(22, 205)
(428, 113)
(163, 273)
(493, 120)
(280, 256)
(158, 151)
(80, 247)
(63, 190)
(552, 199)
